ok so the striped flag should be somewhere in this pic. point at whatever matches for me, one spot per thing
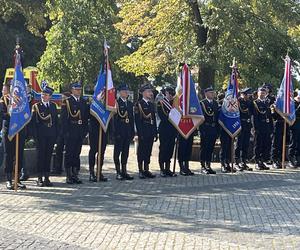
(186, 114)
(110, 97)
(284, 104)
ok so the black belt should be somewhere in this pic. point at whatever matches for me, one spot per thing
(78, 122)
(210, 124)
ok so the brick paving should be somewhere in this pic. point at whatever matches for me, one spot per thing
(253, 210)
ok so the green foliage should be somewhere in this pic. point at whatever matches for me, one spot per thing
(26, 20)
(208, 34)
(75, 41)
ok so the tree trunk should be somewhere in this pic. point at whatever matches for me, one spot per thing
(206, 77)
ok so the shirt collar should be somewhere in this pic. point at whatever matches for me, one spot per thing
(76, 98)
(146, 101)
(123, 100)
(45, 103)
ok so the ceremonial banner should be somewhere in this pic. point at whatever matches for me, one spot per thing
(110, 93)
(229, 117)
(284, 104)
(101, 108)
(19, 106)
(186, 114)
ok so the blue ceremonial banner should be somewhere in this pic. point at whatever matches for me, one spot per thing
(19, 106)
(229, 117)
(285, 105)
(97, 108)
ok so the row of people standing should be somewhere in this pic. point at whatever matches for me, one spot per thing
(76, 122)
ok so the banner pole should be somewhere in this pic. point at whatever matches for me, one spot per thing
(283, 145)
(99, 154)
(175, 155)
(232, 153)
(17, 164)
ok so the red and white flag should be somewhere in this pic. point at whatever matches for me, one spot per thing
(186, 114)
(110, 93)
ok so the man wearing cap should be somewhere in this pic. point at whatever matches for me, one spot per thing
(209, 130)
(74, 122)
(123, 132)
(262, 119)
(167, 132)
(242, 146)
(9, 147)
(45, 124)
(145, 121)
(294, 147)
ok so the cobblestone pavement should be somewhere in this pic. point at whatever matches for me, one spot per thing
(254, 210)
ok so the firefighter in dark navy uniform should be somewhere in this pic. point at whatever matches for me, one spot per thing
(243, 142)
(262, 119)
(294, 147)
(145, 121)
(209, 130)
(167, 132)
(123, 132)
(45, 124)
(9, 147)
(74, 122)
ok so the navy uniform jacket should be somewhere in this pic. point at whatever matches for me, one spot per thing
(45, 120)
(211, 114)
(145, 119)
(296, 125)
(5, 117)
(74, 117)
(262, 116)
(165, 126)
(246, 112)
(124, 120)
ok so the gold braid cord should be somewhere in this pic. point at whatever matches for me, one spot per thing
(35, 108)
(77, 114)
(243, 110)
(257, 108)
(205, 110)
(149, 116)
(125, 115)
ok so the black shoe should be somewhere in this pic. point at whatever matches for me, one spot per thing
(102, 178)
(21, 185)
(211, 171)
(233, 170)
(76, 180)
(9, 185)
(237, 167)
(189, 172)
(163, 174)
(265, 167)
(142, 175)
(119, 177)
(204, 170)
(93, 177)
(224, 169)
(245, 166)
(292, 165)
(170, 173)
(148, 174)
(24, 177)
(184, 173)
(48, 183)
(259, 166)
(269, 162)
(40, 182)
(277, 165)
(127, 177)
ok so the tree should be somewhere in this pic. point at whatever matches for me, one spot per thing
(208, 34)
(75, 40)
(25, 19)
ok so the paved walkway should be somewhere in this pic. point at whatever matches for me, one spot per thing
(258, 210)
